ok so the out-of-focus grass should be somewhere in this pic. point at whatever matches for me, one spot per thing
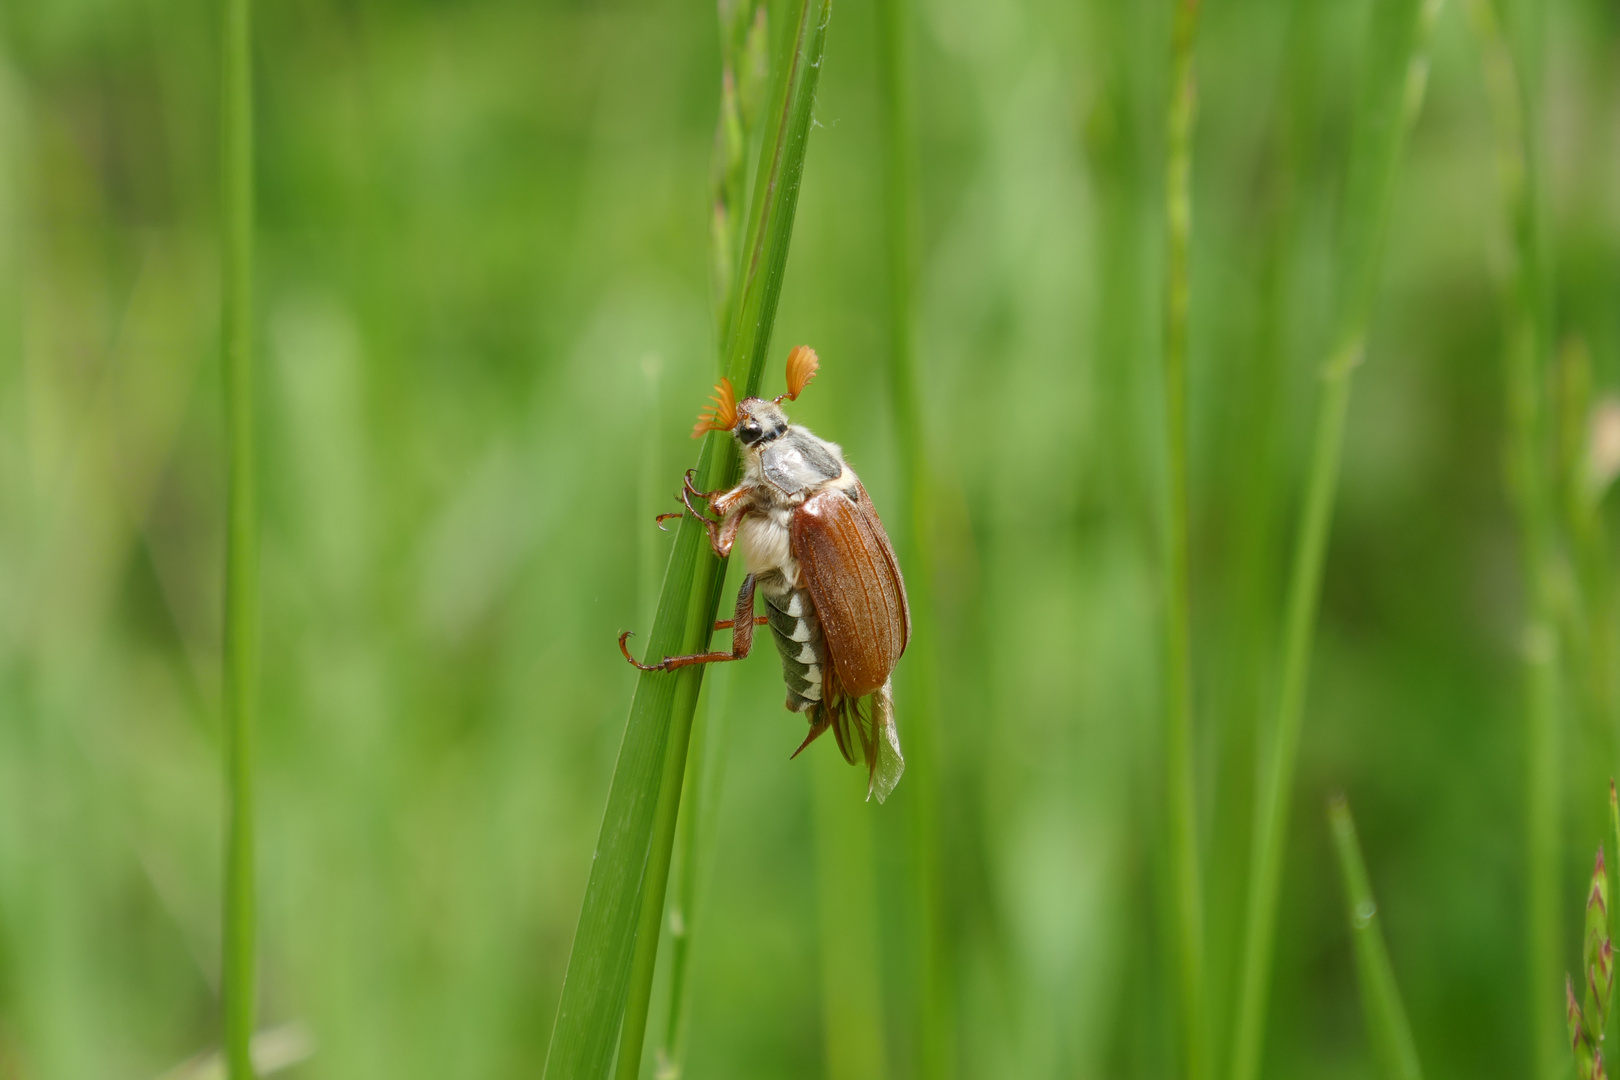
(1394, 79)
(476, 223)
(1180, 783)
(914, 522)
(1533, 490)
(239, 970)
(1388, 1029)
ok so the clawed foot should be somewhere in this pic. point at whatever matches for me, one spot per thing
(633, 661)
(688, 492)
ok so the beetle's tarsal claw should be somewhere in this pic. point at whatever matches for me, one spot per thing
(690, 488)
(661, 518)
(686, 497)
(633, 661)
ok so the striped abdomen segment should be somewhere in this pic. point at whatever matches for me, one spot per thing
(797, 633)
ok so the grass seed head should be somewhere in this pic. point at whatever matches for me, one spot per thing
(1597, 912)
(1600, 983)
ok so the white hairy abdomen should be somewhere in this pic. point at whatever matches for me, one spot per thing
(765, 545)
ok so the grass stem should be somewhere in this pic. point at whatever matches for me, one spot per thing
(1526, 352)
(1387, 1026)
(610, 968)
(698, 823)
(932, 1039)
(848, 924)
(1393, 80)
(1182, 806)
(238, 978)
(743, 60)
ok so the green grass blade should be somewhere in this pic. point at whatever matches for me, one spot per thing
(238, 979)
(847, 919)
(1181, 810)
(1528, 345)
(1253, 582)
(1614, 813)
(743, 61)
(1387, 1027)
(917, 683)
(1393, 80)
(638, 826)
(699, 820)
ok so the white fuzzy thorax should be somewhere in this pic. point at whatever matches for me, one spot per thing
(764, 529)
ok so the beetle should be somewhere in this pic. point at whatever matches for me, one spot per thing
(816, 551)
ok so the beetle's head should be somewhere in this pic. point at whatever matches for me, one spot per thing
(756, 421)
(759, 422)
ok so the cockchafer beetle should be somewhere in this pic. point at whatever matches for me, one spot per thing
(817, 552)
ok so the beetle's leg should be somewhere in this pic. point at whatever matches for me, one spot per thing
(723, 536)
(721, 533)
(727, 624)
(688, 488)
(727, 504)
(731, 500)
(742, 638)
(695, 512)
(687, 493)
(686, 498)
(720, 503)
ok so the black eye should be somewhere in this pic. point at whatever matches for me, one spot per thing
(749, 434)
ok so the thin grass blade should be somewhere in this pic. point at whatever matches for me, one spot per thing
(920, 702)
(744, 62)
(239, 975)
(1387, 1026)
(638, 826)
(1393, 80)
(851, 985)
(699, 822)
(1527, 351)
(1181, 798)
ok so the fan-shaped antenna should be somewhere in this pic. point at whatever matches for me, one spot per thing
(801, 368)
(722, 415)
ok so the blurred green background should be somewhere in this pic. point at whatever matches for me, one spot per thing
(484, 331)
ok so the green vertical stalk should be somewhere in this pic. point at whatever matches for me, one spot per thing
(1595, 621)
(847, 921)
(917, 685)
(1393, 80)
(1253, 582)
(1181, 810)
(744, 58)
(1384, 1015)
(645, 956)
(698, 823)
(1614, 813)
(610, 968)
(1527, 345)
(237, 983)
